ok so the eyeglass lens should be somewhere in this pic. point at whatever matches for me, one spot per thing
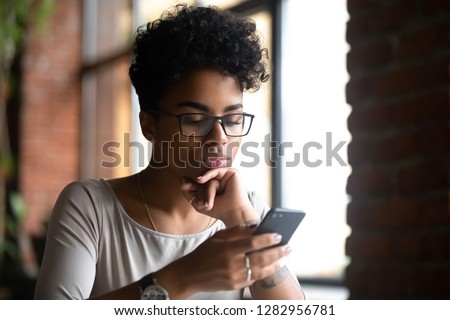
(200, 124)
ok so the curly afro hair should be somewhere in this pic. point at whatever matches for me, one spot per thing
(187, 38)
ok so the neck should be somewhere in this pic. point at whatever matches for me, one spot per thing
(168, 211)
(161, 189)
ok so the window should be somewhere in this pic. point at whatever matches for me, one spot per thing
(258, 177)
(315, 115)
(105, 88)
(302, 108)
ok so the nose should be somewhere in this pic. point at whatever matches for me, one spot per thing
(217, 133)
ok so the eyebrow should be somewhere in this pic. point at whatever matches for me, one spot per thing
(202, 107)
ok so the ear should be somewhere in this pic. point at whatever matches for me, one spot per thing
(148, 125)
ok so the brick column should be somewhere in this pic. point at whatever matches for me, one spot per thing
(400, 150)
(49, 148)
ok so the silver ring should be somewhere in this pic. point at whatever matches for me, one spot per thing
(249, 268)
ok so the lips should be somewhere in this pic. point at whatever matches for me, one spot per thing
(217, 162)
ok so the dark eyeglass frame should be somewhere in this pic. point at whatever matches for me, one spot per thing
(214, 119)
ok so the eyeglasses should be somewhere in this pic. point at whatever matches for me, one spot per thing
(200, 124)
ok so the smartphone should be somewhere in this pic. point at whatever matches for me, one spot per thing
(281, 221)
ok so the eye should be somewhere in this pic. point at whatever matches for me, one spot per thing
(233, 120)
(194, 119)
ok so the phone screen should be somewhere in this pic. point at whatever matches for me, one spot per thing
(281, 221)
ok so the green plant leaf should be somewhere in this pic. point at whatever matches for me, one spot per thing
(17, 205)
(44, 11)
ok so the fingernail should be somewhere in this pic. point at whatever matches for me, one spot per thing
(277, 237)
(199, 177)
(288, 250)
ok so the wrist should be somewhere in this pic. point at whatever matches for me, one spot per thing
(174, 281)
(150, 289)
(240, 216)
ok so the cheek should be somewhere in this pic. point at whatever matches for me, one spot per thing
(168, 131)
(186, 152)
(233, 147)
(229, 150)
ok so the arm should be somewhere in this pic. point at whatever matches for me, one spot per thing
(217, 264)
(68, 266)
(281, 285)
(221, 189)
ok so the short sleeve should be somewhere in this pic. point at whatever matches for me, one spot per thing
(69, 263)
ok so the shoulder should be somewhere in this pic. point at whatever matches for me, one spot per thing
(83, 199)
(85, 189)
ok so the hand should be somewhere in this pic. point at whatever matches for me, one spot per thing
(220, 193)
(220, 264)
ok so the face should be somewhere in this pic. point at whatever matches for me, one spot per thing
(204, 91)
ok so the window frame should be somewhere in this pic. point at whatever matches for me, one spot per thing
(92, 64)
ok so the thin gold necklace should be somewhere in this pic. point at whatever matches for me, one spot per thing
(148, 211)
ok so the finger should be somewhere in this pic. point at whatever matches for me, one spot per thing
(193, 193)
(188, 189)
(189, 195)
(217, 173)
(248, 269)
(187, 185)
(267, 263)
(269, 256)
(209, 193)
(242, 240)
(256, 243)
(237, 232)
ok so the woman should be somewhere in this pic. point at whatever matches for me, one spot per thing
(181, 228)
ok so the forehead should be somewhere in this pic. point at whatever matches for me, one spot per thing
(208, 87)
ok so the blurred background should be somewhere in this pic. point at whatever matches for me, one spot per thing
(353, 128)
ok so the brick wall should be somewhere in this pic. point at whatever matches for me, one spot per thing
(49, 149)
(400, 150)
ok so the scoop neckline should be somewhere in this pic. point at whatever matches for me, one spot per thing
(125, 214)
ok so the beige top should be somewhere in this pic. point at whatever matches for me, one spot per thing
(94, 247)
